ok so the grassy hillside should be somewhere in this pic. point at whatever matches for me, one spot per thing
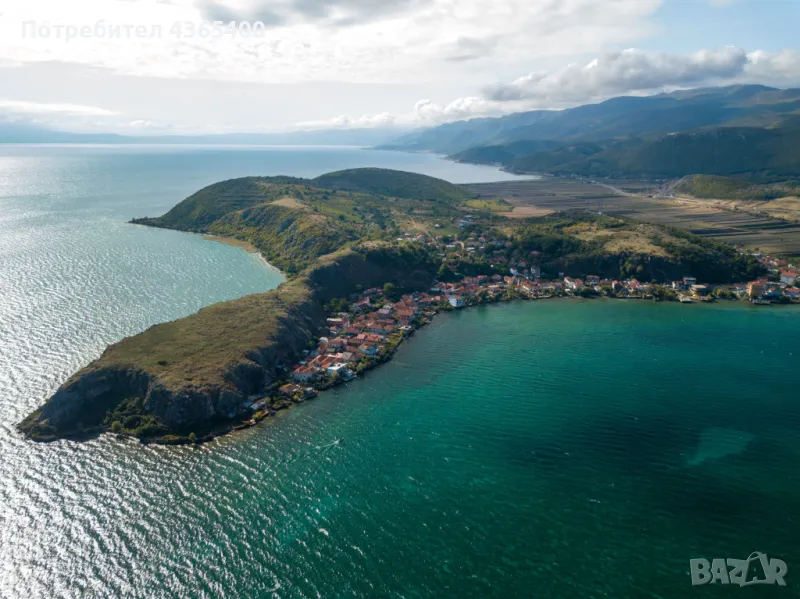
(504, 154)
(728, 188)
(210, 203)
(398, 184)
(621, 247)
(761, 153)
(294, 221)
(192, 374)
(757, 153)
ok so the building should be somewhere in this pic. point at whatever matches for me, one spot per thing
(456, 301)
(362, 305)
(679, 286)
(756, 288)
(305, 374)
(789, 276)
(289, 390)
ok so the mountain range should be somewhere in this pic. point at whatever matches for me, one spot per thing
(744, 130)
(24, 132)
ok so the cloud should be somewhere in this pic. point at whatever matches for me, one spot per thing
(280, 12)
(470, 48)
(782, 68)
(621, 73)
(366, 121)
(19, 107)
(364, 41)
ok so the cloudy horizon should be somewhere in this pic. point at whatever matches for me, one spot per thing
(368, 63)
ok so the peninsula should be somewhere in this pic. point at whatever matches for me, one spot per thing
(368, 254)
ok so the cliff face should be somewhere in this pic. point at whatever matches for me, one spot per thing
(197, 371)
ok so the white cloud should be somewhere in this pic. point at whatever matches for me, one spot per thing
(314, 40)
(623, 72)
(782, 68)
(366, 121)
(22, 108)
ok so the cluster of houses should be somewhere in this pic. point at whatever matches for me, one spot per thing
(371, 328)
(786, 278)
(525, 274)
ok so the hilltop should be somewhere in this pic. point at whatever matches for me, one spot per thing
(197, 374)
(399, 184)
(293, 221)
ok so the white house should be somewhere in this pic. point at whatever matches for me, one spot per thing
(456, 301)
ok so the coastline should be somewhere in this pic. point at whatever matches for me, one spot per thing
(247, 247)
(338, 312)
(239, 243)
(270, 404)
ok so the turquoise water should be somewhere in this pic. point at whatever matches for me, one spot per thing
(547, 449)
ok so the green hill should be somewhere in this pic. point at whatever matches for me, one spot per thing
(748, 151)
(729, 188)
(398, 184)
(754, 152)
(579, 244)
(504, 154)
(210, 203)
(294, 221)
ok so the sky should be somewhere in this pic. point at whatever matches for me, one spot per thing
(163, 66)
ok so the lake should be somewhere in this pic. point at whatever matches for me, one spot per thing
(547, 449)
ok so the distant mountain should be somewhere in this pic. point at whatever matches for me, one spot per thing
(17, 132)
(751, 152)
(617, 118)
(747, 130)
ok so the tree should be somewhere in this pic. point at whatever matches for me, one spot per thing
(192, 437)
(116, 427)
(389, 289)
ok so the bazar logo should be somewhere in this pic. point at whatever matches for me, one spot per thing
(756, 569)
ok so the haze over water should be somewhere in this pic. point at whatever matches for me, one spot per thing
(561, 449)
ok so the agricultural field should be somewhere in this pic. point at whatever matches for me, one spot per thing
(489, 205)
(718, 220)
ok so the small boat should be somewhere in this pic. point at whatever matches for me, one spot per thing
(760, 301)
(685, 299)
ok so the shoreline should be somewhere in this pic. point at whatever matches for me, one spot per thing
(232, 241)
(246, 246)
(273, 404)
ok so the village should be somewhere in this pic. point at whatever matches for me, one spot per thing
(376, 323)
